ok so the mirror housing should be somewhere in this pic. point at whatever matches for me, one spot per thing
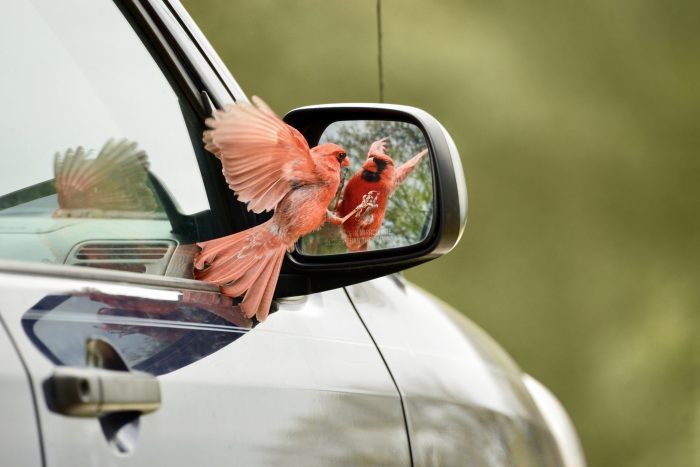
(303, 274)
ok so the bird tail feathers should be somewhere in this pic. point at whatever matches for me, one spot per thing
(247, 263)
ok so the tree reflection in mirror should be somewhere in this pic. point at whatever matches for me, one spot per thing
(390, 171)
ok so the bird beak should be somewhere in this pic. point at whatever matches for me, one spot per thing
(345, 162)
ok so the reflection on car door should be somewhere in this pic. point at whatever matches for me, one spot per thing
(306, 387)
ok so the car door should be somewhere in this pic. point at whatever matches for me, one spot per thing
(19, 434)
(304, 388)
(105, 190)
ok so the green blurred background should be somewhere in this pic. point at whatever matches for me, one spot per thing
(578, 126)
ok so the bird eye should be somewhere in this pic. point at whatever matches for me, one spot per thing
(341, 156)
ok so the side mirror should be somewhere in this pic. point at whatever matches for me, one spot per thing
(404, 196)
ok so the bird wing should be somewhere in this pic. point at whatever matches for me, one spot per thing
(405, 170)
(263, 158)
(115, 180)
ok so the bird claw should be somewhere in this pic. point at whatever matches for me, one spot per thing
(368, 204)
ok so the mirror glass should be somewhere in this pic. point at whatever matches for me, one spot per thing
(385, 197)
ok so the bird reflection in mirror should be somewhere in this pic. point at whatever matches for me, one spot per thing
(372, 186)
(112, 184)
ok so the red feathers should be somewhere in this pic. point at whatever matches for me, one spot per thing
(372, 186)
(113, 184)
(270, 166)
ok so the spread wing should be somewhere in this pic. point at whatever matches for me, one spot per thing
(115, 180)
(408, 167)
(262, 157)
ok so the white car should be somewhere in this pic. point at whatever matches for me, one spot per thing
(112, 354)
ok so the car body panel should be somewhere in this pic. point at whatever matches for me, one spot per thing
(558, 421)
(464, 399)
(19, 434)
(297, 389)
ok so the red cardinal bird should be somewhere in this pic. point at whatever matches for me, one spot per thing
(369, 189)
(270, 166)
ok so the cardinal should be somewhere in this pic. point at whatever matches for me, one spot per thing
(369, 189)
(270, 166)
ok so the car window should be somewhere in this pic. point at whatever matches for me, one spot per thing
(98, 165)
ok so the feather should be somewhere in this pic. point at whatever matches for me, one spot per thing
(381, 183)
(405, 169)
(115, 180)
(260, 294)
(269, 166)
(243, 262)
(257, 150)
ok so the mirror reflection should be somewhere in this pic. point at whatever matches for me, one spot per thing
(387, 191)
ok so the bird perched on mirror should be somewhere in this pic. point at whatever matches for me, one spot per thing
(270, 166)
(370, 188)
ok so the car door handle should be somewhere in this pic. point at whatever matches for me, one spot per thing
(92, 392)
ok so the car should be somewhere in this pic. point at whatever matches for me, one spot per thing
(113, 354)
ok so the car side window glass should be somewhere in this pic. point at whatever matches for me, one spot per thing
(98, 166)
